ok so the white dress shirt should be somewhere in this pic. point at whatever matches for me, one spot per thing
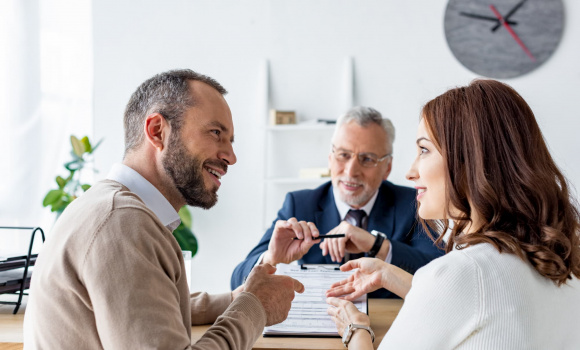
(343, 209)
(148, 193)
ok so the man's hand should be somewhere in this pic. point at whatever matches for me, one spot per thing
(356, 240)
(283, 248)
(274, 292)
(237, 291)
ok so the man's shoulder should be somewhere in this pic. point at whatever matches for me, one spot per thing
(105, 199)
(312, 193)
(396, 194)
(397, 189)
(114, 195)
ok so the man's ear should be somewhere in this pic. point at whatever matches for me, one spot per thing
(157, 130)
(389, 168)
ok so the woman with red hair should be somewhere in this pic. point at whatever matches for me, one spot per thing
(488, 185)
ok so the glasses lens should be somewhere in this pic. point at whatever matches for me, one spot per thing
(341, 156)
(368, 160)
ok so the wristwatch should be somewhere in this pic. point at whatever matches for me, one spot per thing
(350, 330)
(380, 238)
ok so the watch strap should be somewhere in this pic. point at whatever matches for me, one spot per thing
(350, 330)
(380, 238)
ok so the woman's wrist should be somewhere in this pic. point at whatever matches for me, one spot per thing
(386, 276)
(361, 339)
(396, 280)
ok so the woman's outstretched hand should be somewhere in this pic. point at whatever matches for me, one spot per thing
(368, 278)
(371, 275)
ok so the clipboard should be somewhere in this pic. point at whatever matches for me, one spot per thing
(308, 316)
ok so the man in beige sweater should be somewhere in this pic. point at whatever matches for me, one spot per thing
(111, 276)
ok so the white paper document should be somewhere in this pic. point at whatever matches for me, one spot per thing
(308, 312)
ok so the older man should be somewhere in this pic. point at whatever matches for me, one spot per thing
(377, 217)
(112, 275)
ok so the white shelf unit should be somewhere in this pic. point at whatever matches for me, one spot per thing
(298, 181)
(289, 148)
(306, 126)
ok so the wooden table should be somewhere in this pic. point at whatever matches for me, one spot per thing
(381, 311)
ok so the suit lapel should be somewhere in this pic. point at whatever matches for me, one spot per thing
(382, 216)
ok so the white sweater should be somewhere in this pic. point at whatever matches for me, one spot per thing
(477, 298)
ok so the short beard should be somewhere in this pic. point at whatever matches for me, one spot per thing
(186, 171)
(353, 201)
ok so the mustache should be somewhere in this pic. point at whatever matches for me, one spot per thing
(348, 179)
(220, 164)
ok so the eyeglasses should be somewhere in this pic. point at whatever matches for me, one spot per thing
(367, 160)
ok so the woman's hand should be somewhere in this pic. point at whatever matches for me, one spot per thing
(371, 275)
(344, 313)
(368, 278)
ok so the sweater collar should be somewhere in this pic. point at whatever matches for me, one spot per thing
(148, 193)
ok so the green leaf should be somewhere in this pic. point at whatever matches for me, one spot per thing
(85, 187)
(87, 144)
(60, 204)
(74, 165)
(78, 147)
(95, 146)
(185, 216)
(52, 197)
(61, 182)
(185, 239)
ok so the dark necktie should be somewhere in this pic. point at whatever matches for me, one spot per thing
(358, 216)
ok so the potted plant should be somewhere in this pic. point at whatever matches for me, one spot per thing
(70, 188)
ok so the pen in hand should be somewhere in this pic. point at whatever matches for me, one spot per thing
(324, 236)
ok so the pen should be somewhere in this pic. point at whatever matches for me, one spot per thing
(326, 236)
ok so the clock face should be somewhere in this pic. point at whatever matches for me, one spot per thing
(503, 38)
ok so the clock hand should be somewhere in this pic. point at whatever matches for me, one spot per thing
(511, 31)
(487, 18)
(509, 14)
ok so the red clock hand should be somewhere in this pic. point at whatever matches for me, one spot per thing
(511, 31)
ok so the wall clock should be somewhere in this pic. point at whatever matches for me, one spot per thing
(503, 38)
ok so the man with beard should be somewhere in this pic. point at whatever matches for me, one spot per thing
(376, 216)
(112, 274)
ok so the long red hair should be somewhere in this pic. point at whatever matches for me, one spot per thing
(499, 166)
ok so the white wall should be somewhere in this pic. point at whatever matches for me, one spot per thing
(401, 61)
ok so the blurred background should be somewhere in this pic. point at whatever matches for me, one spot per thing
(69, 67)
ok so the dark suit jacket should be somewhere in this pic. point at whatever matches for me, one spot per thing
(393, 214)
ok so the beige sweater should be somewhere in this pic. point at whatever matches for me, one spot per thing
(112, 276)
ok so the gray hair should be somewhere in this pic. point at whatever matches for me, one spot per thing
(166, 93)
(364, 116)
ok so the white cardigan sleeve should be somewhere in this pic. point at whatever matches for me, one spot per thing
(443, 307)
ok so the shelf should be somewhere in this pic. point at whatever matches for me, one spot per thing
(297, 180)
(289, 148)
(301, 127)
